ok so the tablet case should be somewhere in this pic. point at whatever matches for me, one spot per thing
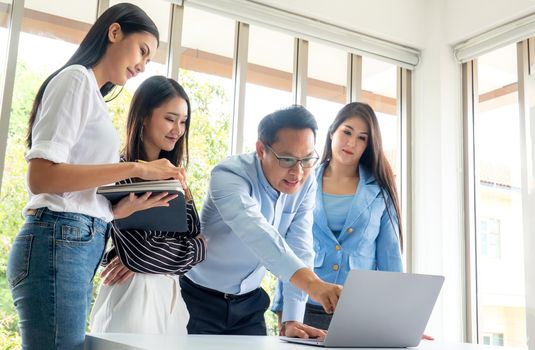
(170, 219)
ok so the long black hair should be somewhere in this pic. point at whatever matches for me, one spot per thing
(151, 94)
(130, 17)
(373, 158)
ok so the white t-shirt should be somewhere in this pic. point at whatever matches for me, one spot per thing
(73, 126)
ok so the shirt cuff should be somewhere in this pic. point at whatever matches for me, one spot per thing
(49, 150)
(108, 257)
(293, 311)
(278, 300)
(199, 249)
(276, 306)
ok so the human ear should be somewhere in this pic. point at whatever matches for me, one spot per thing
(260, 149)
(114, 33)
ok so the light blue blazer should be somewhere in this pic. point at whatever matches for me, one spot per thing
(370, 236)
(369, 239)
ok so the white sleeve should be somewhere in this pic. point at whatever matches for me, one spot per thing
(62, 115)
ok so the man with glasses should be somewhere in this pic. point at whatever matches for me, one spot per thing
(258, 216)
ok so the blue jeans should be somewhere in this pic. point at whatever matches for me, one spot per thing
(50, 271)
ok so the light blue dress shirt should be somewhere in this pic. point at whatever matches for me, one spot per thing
(369, 240)
(250, 227)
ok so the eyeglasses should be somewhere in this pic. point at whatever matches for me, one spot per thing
(290, 162)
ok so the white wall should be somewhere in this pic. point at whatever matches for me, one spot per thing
(388, 19)
(437, 173)
(467, 18)
(404, 21)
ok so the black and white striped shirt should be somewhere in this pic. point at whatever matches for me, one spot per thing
(158, 252)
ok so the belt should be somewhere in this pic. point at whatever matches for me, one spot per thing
(226, 296)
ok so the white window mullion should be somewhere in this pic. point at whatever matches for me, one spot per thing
(8, 84)
(300, 72)
(240, 79)
(175, 41)
(354, 78)
(404, 112)
(469, 80)
(102, 5)
(526, 99)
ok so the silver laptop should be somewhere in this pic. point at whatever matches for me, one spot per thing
(380, 309)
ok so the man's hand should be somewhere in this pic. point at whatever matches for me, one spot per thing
(327, 294)
(300, 330)
(115, 272)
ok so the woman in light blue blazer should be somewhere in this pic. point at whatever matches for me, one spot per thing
(357, 215)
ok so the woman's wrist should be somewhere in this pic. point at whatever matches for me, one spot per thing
(135, 169)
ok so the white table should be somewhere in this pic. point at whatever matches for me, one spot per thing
(118, 341)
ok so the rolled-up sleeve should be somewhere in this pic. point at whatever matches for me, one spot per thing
(63, 114)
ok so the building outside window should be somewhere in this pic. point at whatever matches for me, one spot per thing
(501, 302)
(490, 238)
(493, 339)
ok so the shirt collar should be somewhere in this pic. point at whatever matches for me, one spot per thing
(271, 192)
(95, 82)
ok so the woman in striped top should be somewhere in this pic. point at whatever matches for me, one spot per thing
(140, 291)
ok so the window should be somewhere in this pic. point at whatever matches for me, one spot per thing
(501, 304)
(50, 33)
(269, 78)
(489, 238)
(158, 11)
(55, 30)
(493, 339)
(5, 9)
(379, 90)
(206, 74)
(326, 86)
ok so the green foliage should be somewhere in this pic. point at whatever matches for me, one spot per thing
(209, 130)
(9, 336)
(118, 109)
(268, 283)
(13, 195)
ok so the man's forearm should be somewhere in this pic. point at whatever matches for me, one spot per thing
(303, 278)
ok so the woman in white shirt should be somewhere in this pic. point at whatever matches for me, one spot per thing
(73, 148)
